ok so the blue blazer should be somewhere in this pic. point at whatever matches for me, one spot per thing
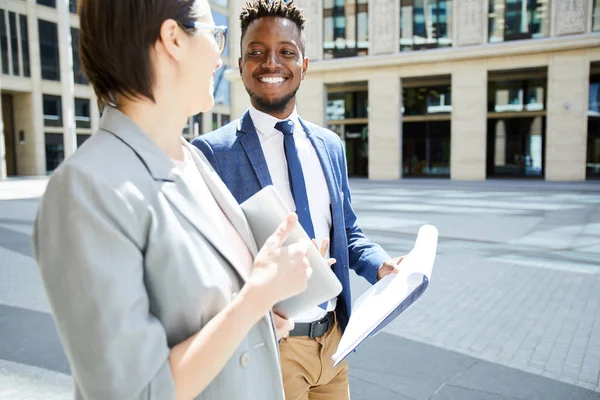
(236, 154)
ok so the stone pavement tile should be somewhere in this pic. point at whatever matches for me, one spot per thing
(30, 338)
(451, 392)
(20, 282)
(492, 378)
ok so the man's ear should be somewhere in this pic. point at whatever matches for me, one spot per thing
(304, 67)
(171, 38)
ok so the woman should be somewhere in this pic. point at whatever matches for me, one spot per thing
(155, 282)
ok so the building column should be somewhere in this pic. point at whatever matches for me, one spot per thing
(385, 134)
(469, 121)
(2, 147)
(471, 22)
(566, 126)
(570, 17)
(384, 23)
(207, 122)
(66, 77)
(94, 114)
(313, 10)
(31, 153)
(311, 100)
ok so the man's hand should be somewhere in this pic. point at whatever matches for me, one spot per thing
(282, 326)
(323, 250)
(389, 266)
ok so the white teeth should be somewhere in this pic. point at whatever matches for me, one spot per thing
(272, 80)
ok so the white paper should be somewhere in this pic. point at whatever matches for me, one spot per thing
(385, 296)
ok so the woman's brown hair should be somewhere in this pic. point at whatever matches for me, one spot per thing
(115, 41)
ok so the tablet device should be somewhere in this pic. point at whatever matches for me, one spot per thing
(264, 212)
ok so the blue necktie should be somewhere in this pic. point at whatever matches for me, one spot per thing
(297, 179)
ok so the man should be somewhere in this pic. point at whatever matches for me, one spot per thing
(271, 144)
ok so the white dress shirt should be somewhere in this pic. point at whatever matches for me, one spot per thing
(271, 141)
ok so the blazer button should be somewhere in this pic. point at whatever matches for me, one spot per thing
(245, 360)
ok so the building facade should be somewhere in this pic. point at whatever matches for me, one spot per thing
(48, 107)
(464, 89)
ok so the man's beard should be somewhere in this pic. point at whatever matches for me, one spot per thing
(272, 106)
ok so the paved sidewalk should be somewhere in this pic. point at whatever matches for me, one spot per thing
(513, 311)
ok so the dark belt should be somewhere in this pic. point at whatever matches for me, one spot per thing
(314, 329)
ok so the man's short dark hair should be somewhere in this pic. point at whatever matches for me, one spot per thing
(257, 9)
(115, 41)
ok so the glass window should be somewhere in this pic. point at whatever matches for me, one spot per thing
(78, 75)
(518, 19)
(52, 110)
(215, 121)
(593, 142)
(55, 151)
(82, 113)
(426, 148)
(347, 105)
(517, 96)
(73, 6)
(515, 146)
(345, 28)
(49, 50)
(198, 123)
(221, 91)
(14, 42)
(596, 16)
(222, 3)
(427, 100)
(225, 119)
(4, 43)
(82, 138)
(49, 3)
(221, 19)
(25, 44)
(425, 24)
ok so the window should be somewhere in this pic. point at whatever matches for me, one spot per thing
(596, 16)
(221, 87)
(82, 138)
(14, 42)
(55, 151)
(78, 74)
(25, 44)
(73, 6)
(427, 100)
(4, 43)
(345, 28)
(49, 50)
(425, 24)
(215, 121)
(221, 19)
(347, 105)
(518, 19)
(52, 110)
(517, 96)
(197, 121)
(48, 3)
(225, 119)
(82, 113)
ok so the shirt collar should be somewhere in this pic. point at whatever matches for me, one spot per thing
(265, 123)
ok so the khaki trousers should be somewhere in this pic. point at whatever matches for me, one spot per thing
(307, 367)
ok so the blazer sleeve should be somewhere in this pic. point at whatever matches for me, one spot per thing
(208, 152)
(92, 269)
(365, 257)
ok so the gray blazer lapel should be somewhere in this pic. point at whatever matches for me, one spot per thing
(251, 144)
(223, 197)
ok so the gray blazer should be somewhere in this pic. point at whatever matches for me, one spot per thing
(131, 269)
